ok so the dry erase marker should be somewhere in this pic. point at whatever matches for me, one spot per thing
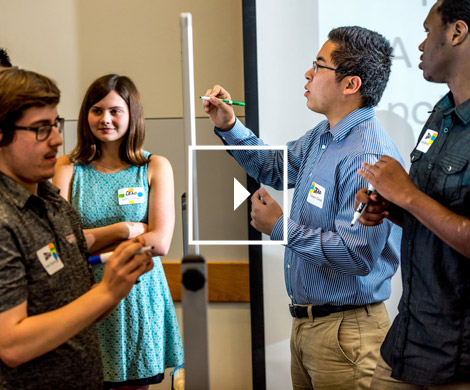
(231, 102)
(362, 206)
(103, 257)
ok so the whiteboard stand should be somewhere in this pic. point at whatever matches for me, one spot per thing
(193, 266)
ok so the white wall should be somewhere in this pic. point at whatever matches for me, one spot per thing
(289, 37)
(76, 41)
(229, 323)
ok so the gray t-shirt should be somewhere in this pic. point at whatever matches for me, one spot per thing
(34, 232)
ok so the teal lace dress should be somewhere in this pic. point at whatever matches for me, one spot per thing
(141, 337)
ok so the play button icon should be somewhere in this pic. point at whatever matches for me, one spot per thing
(227, 225)
(239, 194)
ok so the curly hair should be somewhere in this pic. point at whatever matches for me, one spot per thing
(453, 10)
(364, 53)
(5, 61)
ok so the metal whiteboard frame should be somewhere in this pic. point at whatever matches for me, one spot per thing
(194, 299)
(189, 120)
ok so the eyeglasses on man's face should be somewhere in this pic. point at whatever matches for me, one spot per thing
(316, 65)
(43, 132)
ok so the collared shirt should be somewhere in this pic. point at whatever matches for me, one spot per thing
(328, 261)
(429, 342)
(34, 230)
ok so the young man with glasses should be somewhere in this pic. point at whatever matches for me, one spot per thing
(337, 275)
(47, 310)
(428, 346)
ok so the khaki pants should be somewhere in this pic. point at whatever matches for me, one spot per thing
(383, 381)
(339, 351)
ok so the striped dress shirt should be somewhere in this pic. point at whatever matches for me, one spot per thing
(328, 261)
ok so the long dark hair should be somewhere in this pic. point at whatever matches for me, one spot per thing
(88, 148)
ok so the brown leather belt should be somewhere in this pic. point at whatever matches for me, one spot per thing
(319, 311)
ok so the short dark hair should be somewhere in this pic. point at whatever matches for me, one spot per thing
(5, 61)
(88, 148)
(364, 53)
(453, 10)
(19, 90)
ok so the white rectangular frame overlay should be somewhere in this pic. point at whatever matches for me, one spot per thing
(193, 148)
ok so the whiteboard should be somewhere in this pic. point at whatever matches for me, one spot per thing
(289, 35)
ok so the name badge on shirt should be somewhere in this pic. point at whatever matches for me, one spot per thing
(132, 195)
(316, 195)
(49, 259)
(428, 139)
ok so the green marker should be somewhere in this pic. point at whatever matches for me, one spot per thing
(231, 102)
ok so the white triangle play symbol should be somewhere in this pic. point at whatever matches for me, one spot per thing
(239, 194)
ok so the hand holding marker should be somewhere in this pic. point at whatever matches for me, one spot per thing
(362, 206)
(231, 102)
(103, 257)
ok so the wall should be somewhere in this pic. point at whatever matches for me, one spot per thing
(229, 323)
(76, 41)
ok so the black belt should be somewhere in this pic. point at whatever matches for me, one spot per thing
(319, 311)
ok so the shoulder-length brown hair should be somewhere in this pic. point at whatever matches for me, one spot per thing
(88, 148)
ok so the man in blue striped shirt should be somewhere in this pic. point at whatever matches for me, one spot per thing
(336, 274)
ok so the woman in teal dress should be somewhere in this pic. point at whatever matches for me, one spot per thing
(122, 191)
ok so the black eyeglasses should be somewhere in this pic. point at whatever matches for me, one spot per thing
(316, 65)
(43, 132)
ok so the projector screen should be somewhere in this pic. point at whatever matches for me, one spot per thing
(289, 35)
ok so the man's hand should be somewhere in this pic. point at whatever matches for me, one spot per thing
(24, 337)
(220, 113)
(375, 211)
(390, 180)
(124, 267)
(265, 211)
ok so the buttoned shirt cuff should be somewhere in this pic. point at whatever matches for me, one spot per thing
(277, 233)
(237, 132)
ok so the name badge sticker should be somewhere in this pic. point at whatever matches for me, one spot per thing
(428, 139)
(316, 195)
(49, 259)
(132, 195)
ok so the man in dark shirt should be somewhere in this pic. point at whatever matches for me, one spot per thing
(4, 59)
(429, 342)
(47, 310)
